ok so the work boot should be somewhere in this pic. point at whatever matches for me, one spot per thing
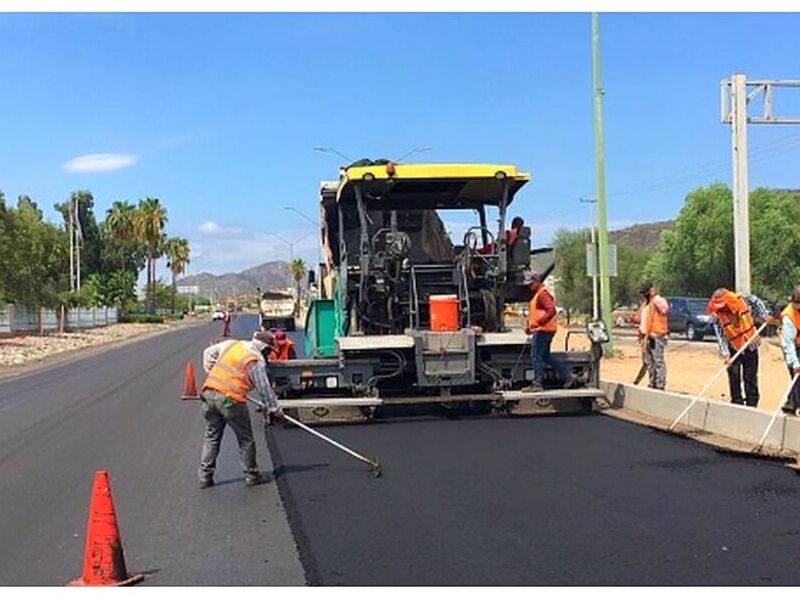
(252, 479)
(206, 482)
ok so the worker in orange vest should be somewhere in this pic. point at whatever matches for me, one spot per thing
(542, 326)
(734, 324)
(790, 330)
(653, 333)
(283, 348)
(235, 370)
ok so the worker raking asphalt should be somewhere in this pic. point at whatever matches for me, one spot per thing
(539, 501)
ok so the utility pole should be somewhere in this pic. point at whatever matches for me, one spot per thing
(71, 248)
(600, 176)
(736, 94)
(593, 202)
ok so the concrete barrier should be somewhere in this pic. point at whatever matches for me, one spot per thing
(730, 420)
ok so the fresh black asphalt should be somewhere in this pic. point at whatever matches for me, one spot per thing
(120, 411)
(483, 501)
(586, 500)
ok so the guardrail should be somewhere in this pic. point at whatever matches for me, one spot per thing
(20, 319)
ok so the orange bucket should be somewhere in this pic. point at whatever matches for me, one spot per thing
(444, 312)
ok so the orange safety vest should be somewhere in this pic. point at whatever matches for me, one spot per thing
(794, 316)
(651, 318)
(534, 314)
(737, 322)
(281, 350)
(229, 375)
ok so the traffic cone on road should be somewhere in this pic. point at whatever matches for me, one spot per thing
(103, 558)
(189, 388)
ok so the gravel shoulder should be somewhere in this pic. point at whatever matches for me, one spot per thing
(24, 353)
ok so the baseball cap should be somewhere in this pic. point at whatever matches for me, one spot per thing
(263, 337)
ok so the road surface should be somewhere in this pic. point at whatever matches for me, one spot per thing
(540, 501)
(120, 411)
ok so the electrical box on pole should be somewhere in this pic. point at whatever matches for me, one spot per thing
(736, 94)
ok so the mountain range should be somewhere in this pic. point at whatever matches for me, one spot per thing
(267, 276)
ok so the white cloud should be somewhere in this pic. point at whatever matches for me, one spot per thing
(98, 163)
(215, 229)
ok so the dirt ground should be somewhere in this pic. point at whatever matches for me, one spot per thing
(691, 365)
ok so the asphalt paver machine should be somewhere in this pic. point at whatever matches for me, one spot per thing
(414, 291)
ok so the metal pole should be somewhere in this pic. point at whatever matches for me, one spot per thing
(600, 176)
(71, 248)
(595, 305)
(741, 217)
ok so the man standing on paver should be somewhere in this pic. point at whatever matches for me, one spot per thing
(790, 329)
(653, 333)
(734, 324)
(542, 326)
(235, 369)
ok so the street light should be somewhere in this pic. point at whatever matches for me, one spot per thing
(291, 248)
(413, 150)
(333, 151)
(306, 217)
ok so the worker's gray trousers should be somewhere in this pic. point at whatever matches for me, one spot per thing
(218, 411)
(654, 361)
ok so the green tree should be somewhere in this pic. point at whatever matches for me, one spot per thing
(774, 243)
(149, 227)
(630, 267)
(696, 257)
(177, 251)
(35, 254)
(91, 244)
(298, 270)
(573, 286)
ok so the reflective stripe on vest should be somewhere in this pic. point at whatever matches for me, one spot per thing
(737, 322)
(229, 375)
(281, 350)
(534, 314)
(794, 317)
(656, 322)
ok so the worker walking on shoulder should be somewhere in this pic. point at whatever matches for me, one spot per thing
(734, 318)
(283, 348)
(653, 333)
(790, 330)
(542, 326)
(235, 370)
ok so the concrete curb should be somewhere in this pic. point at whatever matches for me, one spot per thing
(737, 422)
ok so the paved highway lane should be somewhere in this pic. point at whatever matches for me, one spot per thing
(120, 410)
(542, 501)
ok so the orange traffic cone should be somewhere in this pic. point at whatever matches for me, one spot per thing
(189, 389)
(103, 559)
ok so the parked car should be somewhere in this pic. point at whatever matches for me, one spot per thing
(688, 316)
(218, 315)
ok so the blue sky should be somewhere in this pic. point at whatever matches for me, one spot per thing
(217, 114)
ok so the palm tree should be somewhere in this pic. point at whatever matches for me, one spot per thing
(298, 270)
(177, 250)
(120, 219)
(149, 227)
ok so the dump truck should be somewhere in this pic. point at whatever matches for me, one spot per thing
(412, 311)
(277, 310)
